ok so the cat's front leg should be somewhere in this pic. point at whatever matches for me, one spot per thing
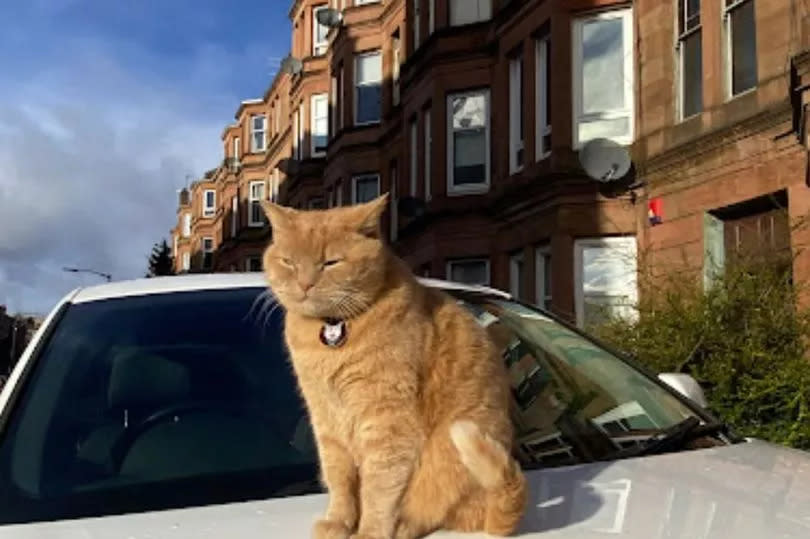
(340, 478)
(389, 448)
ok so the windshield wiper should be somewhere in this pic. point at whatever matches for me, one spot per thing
(672, 439)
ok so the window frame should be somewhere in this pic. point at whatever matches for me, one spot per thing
(185, 261)
(209, 210)
(472, 188)
(237, 149)
(417, 23)
(517, 267)
(357, 84)
(480, 17)
(683, 34)
(413, 130)
(248, 261)
(319, 48)
(542, 73)
(186, 224)
(208, 254)
(579, 247)
(516, 137)
(728, 9)
(254, 199)
(577, 64)
(428, 172)
(314, 98)
(253, 132)
(234, 215)
(449, 268)
(366, 176)
(543, 297)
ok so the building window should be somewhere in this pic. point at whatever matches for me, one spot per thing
(237, 148)
(417, 26)
(690, 57)
(209, 203)
(468, 143)
(339, 193)
(319, 32)
(603, 77)
(516, 113)
(543, 277)
(394, 202)
(333, 106)
(431, 16)
(258, 130)
(469, 11)
(428, 155)
(275, 182)
(516, 266)
(316, 203)
(396, 58)
(256, 215)
(186, 261)
(277, 119)
(605, 279)
(471, 271)
(368, 80)
(542, 137)
(253, 263)
(234, 216)
(414, 150)
(365, 188)
(341, 98)
(319, 110)
(208, 253)
(186, 225)
(741, 39)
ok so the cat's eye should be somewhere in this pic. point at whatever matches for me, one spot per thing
(287, 262)
(331, 262)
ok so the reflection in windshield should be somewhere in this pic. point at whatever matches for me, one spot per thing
(573, 401)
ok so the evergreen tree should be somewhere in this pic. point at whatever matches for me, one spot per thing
(161, 261)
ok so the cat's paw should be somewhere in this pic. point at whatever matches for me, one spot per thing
(330, 529)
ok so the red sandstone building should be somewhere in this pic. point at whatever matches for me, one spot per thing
(480, 107)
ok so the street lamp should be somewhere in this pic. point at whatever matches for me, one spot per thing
(94, 272)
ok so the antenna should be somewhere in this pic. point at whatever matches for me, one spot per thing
(329, 17)
(604, 160)
(291, 65)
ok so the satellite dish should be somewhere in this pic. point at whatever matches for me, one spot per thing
(291, 65)
(329, 17)
(604, 160)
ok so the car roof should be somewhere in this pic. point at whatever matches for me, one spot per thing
(220, 281)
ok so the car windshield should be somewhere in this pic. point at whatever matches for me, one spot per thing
(187, 399)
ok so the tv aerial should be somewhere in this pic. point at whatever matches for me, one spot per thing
(329, 17)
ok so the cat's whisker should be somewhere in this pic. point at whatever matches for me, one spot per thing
(260, 298)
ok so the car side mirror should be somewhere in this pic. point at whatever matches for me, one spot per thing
(686, 386)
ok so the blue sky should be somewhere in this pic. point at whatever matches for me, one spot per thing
(105, 107)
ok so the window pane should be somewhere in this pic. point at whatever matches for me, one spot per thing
(602, 65)
(469, 111)
(609, 280)
(469, 160)
(469, 272)
(367, 189)
(368, 103)
(744, 48)
(603, 128)
(369, 68)
(692, 74)
(258, 122)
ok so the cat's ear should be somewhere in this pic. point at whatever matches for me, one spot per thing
(368, 216)
(279, 216)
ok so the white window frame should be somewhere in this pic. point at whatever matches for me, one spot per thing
(395, 69)
(275, 181)
(296, 136)
(254, 148)
(543, 297)
(431, 16)
(516, 139)
(450, 263)
(394, 203)
(186, 261)
(474, 188)
(341, 97)
(681, 37)
(255, 199)
(628, 111)
(186, 225)
(414, 157)
(483, 7)
(209, 210)
(517, 266)
(333, 107)
(359, 177)
(729, 53)
(357, 84)
(318, 47)
(417, 23)
(620, 242)
(428, 155)
(313, 107)
(542, 124)
(234, 215)
(207, 251)
(237, 149)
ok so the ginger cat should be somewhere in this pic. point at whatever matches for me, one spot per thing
(407, 396)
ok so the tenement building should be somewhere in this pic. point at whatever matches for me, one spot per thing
(479, 109)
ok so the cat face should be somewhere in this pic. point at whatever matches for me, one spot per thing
(326, 263)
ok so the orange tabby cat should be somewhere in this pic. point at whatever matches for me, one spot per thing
(407, 396)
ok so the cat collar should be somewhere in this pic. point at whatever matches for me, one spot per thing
(333, 332)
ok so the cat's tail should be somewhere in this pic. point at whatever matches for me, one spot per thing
(497, 472)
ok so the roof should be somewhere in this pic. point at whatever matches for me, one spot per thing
(218, 281)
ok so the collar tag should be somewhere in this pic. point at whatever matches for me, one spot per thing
(333, 333)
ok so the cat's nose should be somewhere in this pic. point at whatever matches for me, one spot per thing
(306, 285)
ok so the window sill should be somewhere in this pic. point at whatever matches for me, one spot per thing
(256, 225)
(471, 189)
(744, 93)
(367, 124)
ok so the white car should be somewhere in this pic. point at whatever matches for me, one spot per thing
(166, 408)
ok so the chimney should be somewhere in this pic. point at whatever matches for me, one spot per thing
(183, 197)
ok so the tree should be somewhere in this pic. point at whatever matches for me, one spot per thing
(161, 261)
